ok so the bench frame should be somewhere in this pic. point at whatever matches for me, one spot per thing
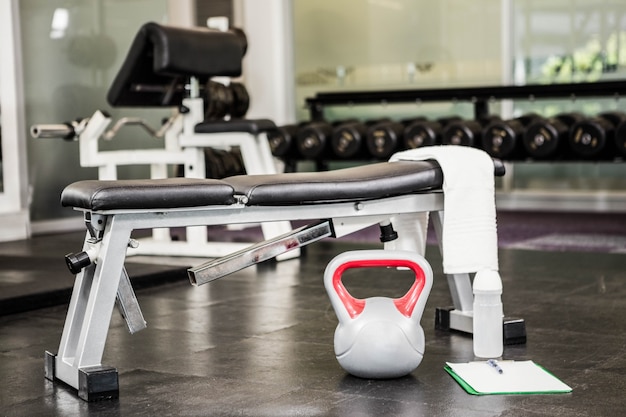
(99, 285)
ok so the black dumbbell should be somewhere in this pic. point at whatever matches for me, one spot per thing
(385, 138)
(313, 140)
(422, 133)
(349, 139)
(214, 163)
(241, 100)
(466, 132)
(503, 138)
(218, 100)
(594, 138)
(548, 138)
(282, 141)
(225, 100)
(426, 132)
(620, 139)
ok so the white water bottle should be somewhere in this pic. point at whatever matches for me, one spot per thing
(488, 314)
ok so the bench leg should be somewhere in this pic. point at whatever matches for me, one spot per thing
(459, 316)
(78, 362)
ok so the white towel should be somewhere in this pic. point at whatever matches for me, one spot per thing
(469, 241)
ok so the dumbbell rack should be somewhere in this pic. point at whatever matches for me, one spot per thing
(480, 97)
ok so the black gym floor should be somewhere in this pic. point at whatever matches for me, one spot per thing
(260, 342)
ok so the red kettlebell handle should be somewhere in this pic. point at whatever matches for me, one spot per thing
(404, 304)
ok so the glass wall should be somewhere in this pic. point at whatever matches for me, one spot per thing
(412, 44)
(392, 44)
(14, 215)
(72, 50)
(563, 41)
(568, 40)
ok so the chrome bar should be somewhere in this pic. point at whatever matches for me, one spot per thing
(45, 131)
(259, 252)
(128, 305)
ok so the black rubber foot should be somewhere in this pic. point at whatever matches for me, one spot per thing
(442, 318)
(513, 329)
(94, 383)
(98, 383)
(49, 365)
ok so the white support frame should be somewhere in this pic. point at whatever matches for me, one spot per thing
(89, 314)
(97, 285)
(14, 212)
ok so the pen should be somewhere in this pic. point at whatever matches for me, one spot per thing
(494, 364)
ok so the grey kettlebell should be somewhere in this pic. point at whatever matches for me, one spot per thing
(379, 337)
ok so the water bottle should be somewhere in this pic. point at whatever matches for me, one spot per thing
(488, 314)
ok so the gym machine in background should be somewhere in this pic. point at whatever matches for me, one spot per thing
(564, 137)
(206, 136)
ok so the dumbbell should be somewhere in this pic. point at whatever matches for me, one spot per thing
(548, 138)
(349, 140)
(422, 133)
(217, 101)
(313, 140)
(384, 139)
(221, 163)
(282, 141)
(241, 100)
(620, 139)
(503, 138)
(466, 132)
(425, 132)
(225, 100)
(594, 138)
(214, 164)
(233, 161)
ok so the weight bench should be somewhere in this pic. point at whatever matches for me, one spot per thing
(336, 203)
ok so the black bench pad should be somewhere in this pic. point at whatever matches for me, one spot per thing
(254, 127)
(384, 179)
(350, 184)
(162, 57)
(147, 194)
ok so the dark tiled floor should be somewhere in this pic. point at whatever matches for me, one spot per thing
(33, 272)
(259, 343)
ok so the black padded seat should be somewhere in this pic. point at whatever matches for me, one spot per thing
(365, 182)
(254, 127)
(147, 194)
(162, 57)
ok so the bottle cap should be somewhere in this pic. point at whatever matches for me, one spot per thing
(487, 280)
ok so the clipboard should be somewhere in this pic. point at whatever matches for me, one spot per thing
(516, 377)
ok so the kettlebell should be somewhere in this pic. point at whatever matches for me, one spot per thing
(379, 337)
